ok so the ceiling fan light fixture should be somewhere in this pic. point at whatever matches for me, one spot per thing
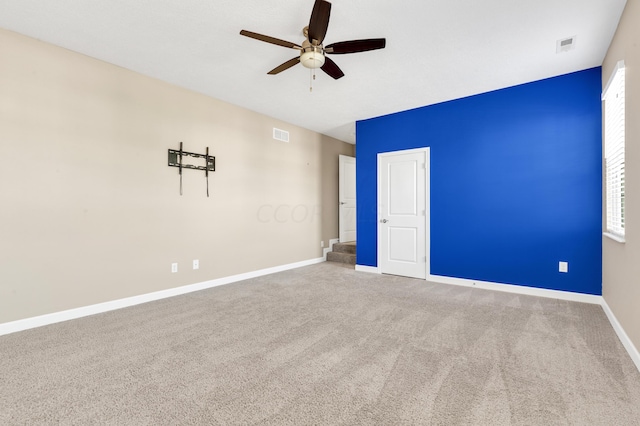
(312, 57)
(312, 52)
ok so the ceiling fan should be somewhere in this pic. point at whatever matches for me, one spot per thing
(312, 52)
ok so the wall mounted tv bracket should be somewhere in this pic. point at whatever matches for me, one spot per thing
(175, 160)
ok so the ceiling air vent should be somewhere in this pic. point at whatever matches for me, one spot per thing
(566, 44)
(280, 135)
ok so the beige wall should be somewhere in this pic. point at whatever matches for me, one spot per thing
(90, 210)
(621, 262)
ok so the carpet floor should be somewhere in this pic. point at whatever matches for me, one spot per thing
(325, 345)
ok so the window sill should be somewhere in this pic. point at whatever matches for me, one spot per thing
(614, 237)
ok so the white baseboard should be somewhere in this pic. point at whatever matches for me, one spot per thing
(622, 335)
(39, 321)
(540, 292)
(555, 294)
(330, 248)
(518, 289)
(510, 288)
(369, 269)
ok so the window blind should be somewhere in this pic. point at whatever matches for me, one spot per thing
(614, 150)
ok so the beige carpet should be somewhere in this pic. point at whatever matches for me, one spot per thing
(325, 345)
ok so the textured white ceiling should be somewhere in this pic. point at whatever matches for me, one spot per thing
(437, 50)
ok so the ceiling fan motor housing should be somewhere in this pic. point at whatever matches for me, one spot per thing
(311, 56)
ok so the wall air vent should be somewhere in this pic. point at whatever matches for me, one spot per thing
(565, 44)
(280, 135)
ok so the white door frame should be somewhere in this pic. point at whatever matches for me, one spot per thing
(347, 208)
(427, 203)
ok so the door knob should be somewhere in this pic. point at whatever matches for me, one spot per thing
(383, 221)
(342, 202)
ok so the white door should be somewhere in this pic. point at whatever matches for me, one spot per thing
(403, 212)
(347, 196)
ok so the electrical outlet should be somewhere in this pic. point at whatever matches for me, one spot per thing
(321, 243)
(563, 266)
(174, 268)
(196, 264)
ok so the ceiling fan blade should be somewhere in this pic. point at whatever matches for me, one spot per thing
(319, 22)
(332, 69)
(271, 40)
(354, 46)
(285, 66)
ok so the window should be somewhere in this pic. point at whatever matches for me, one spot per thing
(614, 134)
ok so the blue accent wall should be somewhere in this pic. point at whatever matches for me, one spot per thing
(515, 182)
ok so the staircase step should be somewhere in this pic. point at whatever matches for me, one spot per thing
(345, 247)
(348, 258)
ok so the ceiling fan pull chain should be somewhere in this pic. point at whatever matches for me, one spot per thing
(310, 81)
(313, 69)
